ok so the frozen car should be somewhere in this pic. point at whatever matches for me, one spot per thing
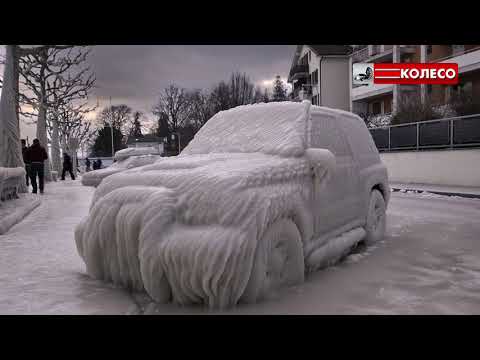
(261, 195)
(124, 159)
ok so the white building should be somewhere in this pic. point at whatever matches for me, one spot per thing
(322, 74)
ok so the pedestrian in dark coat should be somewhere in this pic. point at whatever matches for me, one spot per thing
(27, 164)
(67, 166)
(35, 156)
(87, 164)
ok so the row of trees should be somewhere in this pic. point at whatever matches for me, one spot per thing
(49, 85)
(180, 111)
(184, 111)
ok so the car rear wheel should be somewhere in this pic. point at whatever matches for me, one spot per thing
(278, 261)
(376, 218)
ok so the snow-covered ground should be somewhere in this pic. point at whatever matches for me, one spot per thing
(429, 263)
(40, 271)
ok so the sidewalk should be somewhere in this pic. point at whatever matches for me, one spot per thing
(462, 191)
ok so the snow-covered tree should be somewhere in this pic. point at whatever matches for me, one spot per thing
(10, 147)
(53, 76)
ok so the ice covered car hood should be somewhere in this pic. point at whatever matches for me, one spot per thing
(206, 185)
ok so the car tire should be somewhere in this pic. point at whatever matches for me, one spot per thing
(376, 218)
(278, 261)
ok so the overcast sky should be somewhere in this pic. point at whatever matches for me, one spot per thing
(135, 74)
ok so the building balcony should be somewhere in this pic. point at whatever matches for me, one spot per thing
(468, 60)
(298, 72)
(380, 53)
(363, 92)
(373, 53)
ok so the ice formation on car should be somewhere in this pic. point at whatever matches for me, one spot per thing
(135, 151)
(186, 228)
(94, 178)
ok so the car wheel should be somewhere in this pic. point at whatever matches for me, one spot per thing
(376, 218)
(278, 261)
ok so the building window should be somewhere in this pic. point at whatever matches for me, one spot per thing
(314, 77)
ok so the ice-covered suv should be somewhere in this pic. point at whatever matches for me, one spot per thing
(262, 194)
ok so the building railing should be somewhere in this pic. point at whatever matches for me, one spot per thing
(360, 55)
(449, 133)
(453, 55)
(299, 70)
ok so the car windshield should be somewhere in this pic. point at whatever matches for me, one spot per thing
(272, 128)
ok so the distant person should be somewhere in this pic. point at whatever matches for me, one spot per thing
(27, 164)
(87, 164)
(95, 165)
(100, 164)
(67, 166)
(36, 155)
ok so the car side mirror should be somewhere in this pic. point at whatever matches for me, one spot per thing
(322, 162)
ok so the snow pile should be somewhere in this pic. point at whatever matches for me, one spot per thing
(14, 211)
(7, 173)
(136, 151)
(271, 128)
(94, 178)
(10, 177)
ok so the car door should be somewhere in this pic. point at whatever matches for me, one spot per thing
(334, 203)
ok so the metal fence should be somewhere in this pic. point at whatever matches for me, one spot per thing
(455, 132)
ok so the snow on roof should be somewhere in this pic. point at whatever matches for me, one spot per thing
(277, 128)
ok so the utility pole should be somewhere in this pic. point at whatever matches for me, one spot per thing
(111, 130)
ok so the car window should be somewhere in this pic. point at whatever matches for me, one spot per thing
(325, 133)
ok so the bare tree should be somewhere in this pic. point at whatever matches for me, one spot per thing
(65, 123)
(54, 77)
(221, 97)
(201, 108)
(238, 91)
(174, 102)
(118, 116)
(241, 89)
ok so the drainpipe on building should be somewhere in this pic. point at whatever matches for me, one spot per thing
(320, 103)
(396, 88)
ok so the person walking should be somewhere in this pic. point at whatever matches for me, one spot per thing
(87, 164)
(67, 166)
(35, 156)
(27, 164)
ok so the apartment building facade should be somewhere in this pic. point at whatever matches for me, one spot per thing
(322, 74)
(382, 99)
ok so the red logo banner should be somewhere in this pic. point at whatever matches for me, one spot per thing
(416, 73)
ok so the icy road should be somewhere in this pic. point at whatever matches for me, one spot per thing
(429, 263)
